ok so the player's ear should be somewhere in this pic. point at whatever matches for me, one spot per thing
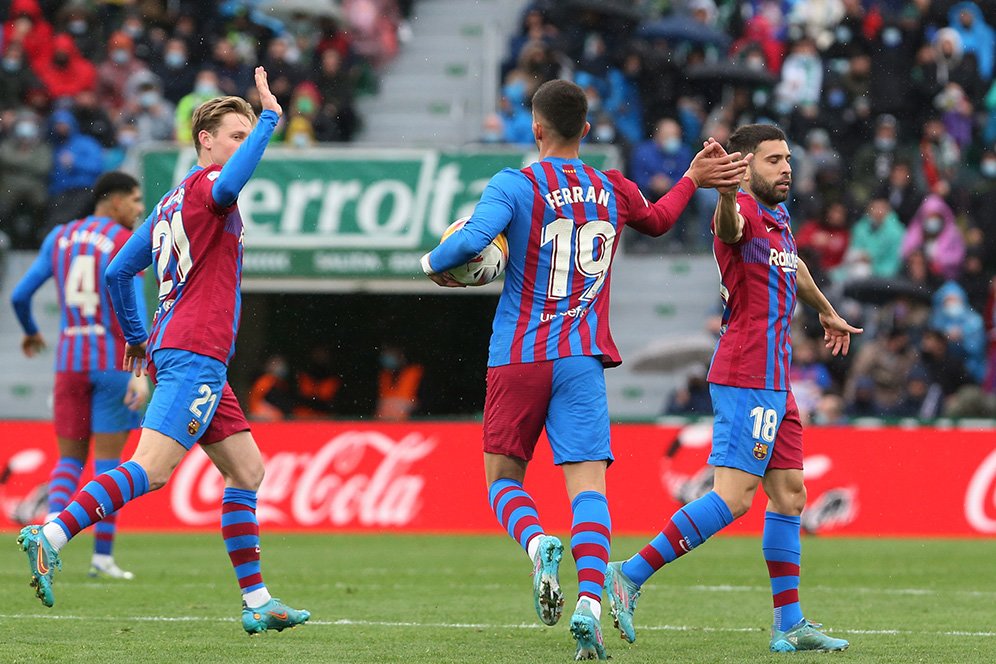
(586, 129)
(205, 138)
(537, 130)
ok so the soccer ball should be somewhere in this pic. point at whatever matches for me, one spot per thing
(486, 266)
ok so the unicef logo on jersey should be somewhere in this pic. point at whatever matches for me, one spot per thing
(787, 260)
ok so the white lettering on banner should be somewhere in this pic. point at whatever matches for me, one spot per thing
(981, 496)
(320, 488)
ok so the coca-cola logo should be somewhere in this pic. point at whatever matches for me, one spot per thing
(358, 478)
(980, 498)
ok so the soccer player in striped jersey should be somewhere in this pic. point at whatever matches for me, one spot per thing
(194, 236)
(551, 338)
(757, 434)
(94, 399)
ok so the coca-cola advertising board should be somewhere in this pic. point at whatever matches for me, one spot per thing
(428, 477)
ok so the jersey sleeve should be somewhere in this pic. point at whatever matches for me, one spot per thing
(492, 215)
(39, 272)
(134, 257)
(659, 217)
(239, 168)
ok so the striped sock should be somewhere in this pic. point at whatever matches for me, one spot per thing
(515, 510)
(103, 531)
(102, 495)
(782, 549)
(590, 538)
(240, 529)
(690, 526)
(63, 483)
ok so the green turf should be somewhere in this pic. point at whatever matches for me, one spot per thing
(467, 599)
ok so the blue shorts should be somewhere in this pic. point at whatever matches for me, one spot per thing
(755, 429)
(566, 395)
(92, 402)
(189, 387)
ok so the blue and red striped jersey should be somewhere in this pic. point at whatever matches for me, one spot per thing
(758, 286)
(562, 219)
(76, 254)
(197, 254)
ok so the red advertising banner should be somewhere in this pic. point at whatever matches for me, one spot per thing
(428, 477)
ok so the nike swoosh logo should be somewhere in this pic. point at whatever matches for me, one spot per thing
(771, 228)
(278, 616)
(40, 564)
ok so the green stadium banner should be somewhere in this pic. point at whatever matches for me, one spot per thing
(350, 213)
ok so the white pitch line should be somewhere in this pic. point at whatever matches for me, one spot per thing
(346, 622)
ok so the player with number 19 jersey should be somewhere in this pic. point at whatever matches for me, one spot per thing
(562, 219)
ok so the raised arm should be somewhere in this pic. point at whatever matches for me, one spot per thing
(237, 171)
(836, 331)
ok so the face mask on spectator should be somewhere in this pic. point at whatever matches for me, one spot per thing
(305, 105)
(884, 144)
(989, 168)
(11, 64)
(836, 98)
(77, 26)
(671, 145)
(26, 130)
(120, 56)
(954, 307)
(60, 59)
(126, 139)
(891, 37)
(933, 225)
(206, 88)
(175, 59)
(148, 98)
(605, 133)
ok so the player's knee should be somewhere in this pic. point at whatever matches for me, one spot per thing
(248, 477)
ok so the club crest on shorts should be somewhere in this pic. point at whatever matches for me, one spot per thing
(195, 426)
(760, 450)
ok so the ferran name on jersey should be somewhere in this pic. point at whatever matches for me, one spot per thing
(571, 195)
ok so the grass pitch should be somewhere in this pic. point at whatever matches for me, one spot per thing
(397, 598)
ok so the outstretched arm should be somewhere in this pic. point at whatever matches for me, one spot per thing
(237, 171)
(135, 256)
(39, 272)
(836, 331)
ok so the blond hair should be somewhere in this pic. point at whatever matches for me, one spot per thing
(207, 117)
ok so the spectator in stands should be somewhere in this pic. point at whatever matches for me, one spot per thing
(338, 120)
(886, 362)
(281, 68)
(317, 386)
(152, 116)
(516, 119)
(982, 202)
(397, 385)
(812, 165)
(873, 162)
(176, 71)
(962, 327)
(933, 230)
(692, 398)
(27, 26)
(828, 237)
(234, 75)
(809, 376)
(77, 163)
(956, 114)
(798, 92)
(17, 77)
(623, 101)
(25, 162)
(977, 36)
(945, 368)
(917, 400)
(93, 118)
(77, 20)
(656, 165)
(830, 411)
(974, 279)
(64, 72)
(205, 87)
(875, 242)
(271, 397)
(115, 72)
(902, 191)
(302, 110)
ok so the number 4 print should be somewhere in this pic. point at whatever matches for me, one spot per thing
(81, 285)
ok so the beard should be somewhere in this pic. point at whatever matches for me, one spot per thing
(765, 191)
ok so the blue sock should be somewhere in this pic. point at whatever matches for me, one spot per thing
(690, 526)
(103, 495)
(590, 538)
(515, 510)
(240, 530)
(63, 482)
(782, 549)
(103, 530)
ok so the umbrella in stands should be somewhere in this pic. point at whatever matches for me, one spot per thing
(878, 290)
(616, 8)
(683, 29)
(674, 354)
(732, 73)
(308, 7)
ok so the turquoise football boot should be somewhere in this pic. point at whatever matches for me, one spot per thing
(272, 615)
(622, 594)
(586, 629)
(42, 560)
(805, 635)
(547, 595)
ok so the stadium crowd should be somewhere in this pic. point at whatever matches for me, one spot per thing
(86, 81)
(891, 107)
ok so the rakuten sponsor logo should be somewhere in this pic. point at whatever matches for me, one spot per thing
(358, 478)
(980, 498)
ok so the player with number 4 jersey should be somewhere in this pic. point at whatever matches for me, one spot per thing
(551, 339)
(194, 240)
(94, 399)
